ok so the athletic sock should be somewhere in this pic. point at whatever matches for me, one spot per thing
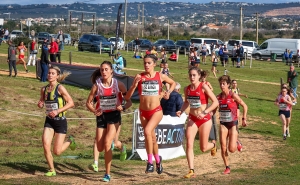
(157, 159)
(96, 163)
(150, 160)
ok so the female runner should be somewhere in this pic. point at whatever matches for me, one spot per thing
(149, 85)
(228, 102)
(109, 92)
(57, 101)
(196, 96)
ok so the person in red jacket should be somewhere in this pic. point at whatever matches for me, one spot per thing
(53, 50)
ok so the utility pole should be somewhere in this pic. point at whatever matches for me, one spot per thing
(81, 23)
(256, 27)
(125, 21)
(138, 22)
(168, 29)
(143, 26)
(241, 24)
(70, 21)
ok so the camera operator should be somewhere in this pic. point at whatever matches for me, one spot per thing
(119, 64)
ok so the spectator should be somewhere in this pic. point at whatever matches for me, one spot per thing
(203, 52)
(1, 36)
(119, 64)
(11, 58)
(233, 56)
(6, 33)
(61, 37)
(242, 54)
(33, 49)
(60, 48)
(291, 57)
(212, 47)
(292, 80)
(45, 60)
(174, 103)
(53, 50)
(224, 55)
(173, 57)
(286, 56)
(137, 45)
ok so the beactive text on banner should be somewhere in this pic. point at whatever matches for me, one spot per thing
(169, 135)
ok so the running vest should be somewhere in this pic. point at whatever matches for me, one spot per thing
(227, 108)
(165, 71)
(22, 50)
(196, 97)
(282, 105)
(150, 86)
(235, 91)
(54, 101)
(107, 97)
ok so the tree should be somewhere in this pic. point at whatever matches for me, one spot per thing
(10, 25)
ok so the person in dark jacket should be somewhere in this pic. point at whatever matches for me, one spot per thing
(45, 60)
(174, 103)
(11, 58)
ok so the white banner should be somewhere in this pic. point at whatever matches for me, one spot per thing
(169, 135)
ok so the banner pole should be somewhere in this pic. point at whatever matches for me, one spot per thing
(133, 150)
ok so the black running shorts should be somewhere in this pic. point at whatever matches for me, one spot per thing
(108, 118)
(58, 124)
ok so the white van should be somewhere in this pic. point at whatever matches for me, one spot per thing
(197, 42)
(248, 46)
(276, 45)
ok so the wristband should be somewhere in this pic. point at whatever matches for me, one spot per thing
(123, 107)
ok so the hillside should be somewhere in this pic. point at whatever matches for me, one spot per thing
(152, 9)
(293, 11)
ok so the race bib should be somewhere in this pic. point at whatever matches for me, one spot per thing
(225, 116)
(108, 102)
(282, 106)
(150, 88)
(51, 106)
(194, 101)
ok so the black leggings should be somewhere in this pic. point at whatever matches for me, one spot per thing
(58, 57)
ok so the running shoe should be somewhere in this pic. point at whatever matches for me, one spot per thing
(284, 137)
(227, 171)
(112, 145)
(106, 178)
(149, 168)
(191, 174)
(50, 173)
(159, 168)
(73, 145)
(123, 155)
(93, 167)
(239, 146)
(213, 151)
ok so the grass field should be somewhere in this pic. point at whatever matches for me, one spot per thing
(22, 160)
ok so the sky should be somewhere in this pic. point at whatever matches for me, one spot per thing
(26, 2)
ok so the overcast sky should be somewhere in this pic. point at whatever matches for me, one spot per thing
(25, 2)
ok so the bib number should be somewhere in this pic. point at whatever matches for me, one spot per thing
(108, 103)
(149, 89)
(225, 116)
(51, 106)
(282, 106)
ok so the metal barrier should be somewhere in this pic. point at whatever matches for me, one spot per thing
(133, 150)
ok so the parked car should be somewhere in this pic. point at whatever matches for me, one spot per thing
(197, 42)
(53, 36)
(276, 46)
(169, 45)
(183, 45)
(90, 42)
(68, 39)
(248, 46)
(42, 36)
(15, 33)
(145, 44)
(120, 42)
